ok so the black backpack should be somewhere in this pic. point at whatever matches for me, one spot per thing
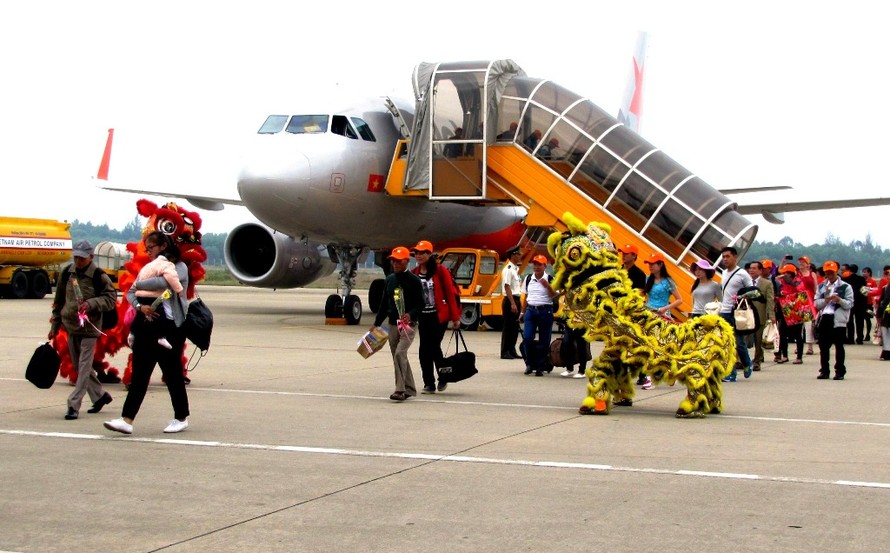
(109, 318)
(198, 324)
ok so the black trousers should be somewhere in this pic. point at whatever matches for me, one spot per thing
(146, 354)
(510, 330)
(830, 336)
(430, 350)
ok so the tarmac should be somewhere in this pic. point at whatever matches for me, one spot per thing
(295, 446)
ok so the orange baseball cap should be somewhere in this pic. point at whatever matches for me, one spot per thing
(539, 259)
(830, 266)
(789, 268)
(766, 263)
(400, 253)
(655, 258)
(805, 258)
(423, 246)
(629, 248)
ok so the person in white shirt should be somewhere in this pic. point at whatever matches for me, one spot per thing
(734, 279)
(834, 300)
(537, 316)
(511, 304)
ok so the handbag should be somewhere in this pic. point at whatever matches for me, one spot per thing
(198, 324)
(461, 365)
(745, 317)
(43, 368)
(770, 336)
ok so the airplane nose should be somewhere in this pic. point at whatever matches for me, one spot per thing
(273, 179)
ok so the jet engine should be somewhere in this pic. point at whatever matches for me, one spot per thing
(260, 257)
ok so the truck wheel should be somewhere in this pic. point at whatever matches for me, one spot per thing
(18, 285)
(352, 310)
(469, 316)
(39, 285)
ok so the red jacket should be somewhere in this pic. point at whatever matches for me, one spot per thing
(446, 293)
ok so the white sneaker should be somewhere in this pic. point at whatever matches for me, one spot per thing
(648, 384)
(164, 343)
(119, 425)
(566, 374)
(177, 426)
(580, 375)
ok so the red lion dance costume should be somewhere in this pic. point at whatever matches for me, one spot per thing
(185, 228)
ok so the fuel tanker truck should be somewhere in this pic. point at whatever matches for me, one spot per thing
(32, 253)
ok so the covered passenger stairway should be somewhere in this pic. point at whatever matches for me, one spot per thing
(542, 147)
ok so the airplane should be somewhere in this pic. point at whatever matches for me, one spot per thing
(335, 182)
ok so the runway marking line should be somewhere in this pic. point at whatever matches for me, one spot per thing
(452, 459)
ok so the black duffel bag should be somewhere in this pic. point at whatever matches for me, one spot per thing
(43, 369)
(198, 324)
(461, 365)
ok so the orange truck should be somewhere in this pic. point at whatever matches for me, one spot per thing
(32, 254)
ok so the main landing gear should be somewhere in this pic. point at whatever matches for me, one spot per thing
(347, 306)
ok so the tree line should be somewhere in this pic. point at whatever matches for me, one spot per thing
(211, 242)
(864, 253)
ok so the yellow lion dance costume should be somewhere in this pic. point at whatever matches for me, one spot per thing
(599, 297)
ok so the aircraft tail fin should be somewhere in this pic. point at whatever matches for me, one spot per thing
(102, 174)
(632, 104)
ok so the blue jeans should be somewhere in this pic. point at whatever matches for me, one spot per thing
(740, 348)
(538, 320)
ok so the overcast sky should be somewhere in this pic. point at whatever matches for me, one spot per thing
(759, 93)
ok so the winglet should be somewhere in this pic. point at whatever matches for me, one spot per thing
(106, 158)
(632, 105)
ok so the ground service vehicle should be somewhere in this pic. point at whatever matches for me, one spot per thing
(477, 272)
(32, 253)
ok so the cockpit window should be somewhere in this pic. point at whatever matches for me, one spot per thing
(303, 124)
(340, 125)
(363, 129)
(273, 124)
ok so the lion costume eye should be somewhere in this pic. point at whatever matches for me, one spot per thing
(166, 226)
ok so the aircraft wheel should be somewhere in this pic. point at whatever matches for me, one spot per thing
(353, 310)
(333, 307)
(469, 316)
(375, 294)
(39, 286)
(18, 285)
(495, 322)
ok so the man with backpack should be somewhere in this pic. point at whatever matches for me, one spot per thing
(78, 306)
(537, 316)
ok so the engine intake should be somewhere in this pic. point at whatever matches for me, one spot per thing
(260, 257)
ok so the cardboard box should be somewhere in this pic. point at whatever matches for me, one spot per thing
(372, 342)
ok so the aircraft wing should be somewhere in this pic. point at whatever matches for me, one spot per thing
(209, 203)
(773, 211)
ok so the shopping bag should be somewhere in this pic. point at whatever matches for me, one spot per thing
(372, 341)
(745, 317)
(461, 365)
(770, 335)
(43, 369)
